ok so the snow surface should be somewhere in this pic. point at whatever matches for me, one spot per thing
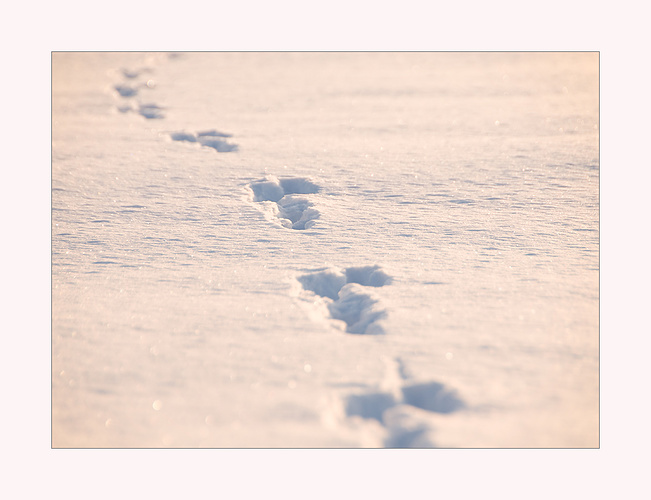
(325, 250)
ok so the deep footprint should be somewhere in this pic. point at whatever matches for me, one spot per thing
(278, 197)
(209, 139)
(358, 309)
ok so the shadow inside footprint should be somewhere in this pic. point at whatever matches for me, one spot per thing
(358, 310)
(406, 427)
(406, 430)
(371, 405)
(151, 111)
(298, 211)
(213, 133)
(409, 438)
(324, 283)
(298, 185)
(217, 144)
(209, 139)
(294, 212)
(329, 282)
(273, 189)
(126, 90)
(350, 302)
(432, 396)
(183, 136)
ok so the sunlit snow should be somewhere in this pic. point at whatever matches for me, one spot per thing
(325, 250)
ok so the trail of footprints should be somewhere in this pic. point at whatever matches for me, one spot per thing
(347, 292)
(130, 91)
(401, 406)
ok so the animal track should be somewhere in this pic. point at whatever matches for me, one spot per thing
(278, 199)
(209, 138)
(397, 408)
(348, 299)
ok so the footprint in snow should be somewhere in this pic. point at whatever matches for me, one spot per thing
(348, 296)
(133, 89)
(278, 199)
(403, 408)
(209, 139)
(150, 111)
(132, 74)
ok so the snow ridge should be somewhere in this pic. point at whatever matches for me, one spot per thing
(348, 297)
(278, 200)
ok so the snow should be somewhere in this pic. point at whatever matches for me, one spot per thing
(325, 250)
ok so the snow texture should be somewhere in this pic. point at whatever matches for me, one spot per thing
(398, 250)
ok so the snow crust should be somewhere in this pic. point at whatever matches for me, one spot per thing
(325, 250)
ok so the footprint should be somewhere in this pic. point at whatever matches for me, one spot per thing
(278, 199)
(151, 111)
(404, 408)
(349, 301)
(133, 73)
(126, 90)
(430, 396)
(209, 138)
(132, 90)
